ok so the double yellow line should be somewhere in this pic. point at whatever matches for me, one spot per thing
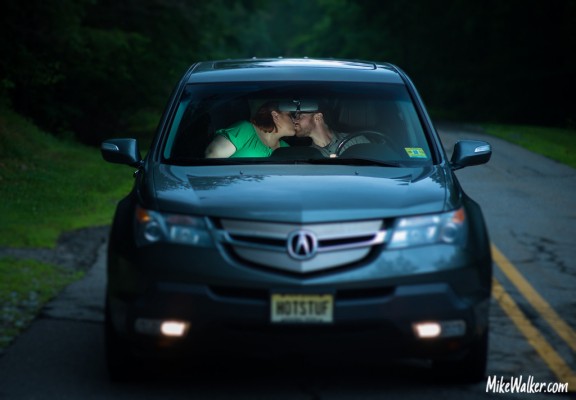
(556, 363)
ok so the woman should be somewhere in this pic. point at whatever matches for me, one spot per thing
(257, 138)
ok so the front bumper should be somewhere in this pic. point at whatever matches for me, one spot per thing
(228, 305)
(238, 321)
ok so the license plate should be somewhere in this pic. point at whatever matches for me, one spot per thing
(302, 308)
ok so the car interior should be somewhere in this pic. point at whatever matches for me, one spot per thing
(382, 122)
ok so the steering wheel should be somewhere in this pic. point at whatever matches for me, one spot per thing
(380, 137)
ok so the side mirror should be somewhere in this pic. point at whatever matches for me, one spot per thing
(470, 152)
(121, 151)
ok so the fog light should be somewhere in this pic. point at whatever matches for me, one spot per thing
(426, 330)
(174, 328)
(439, 329)
(159, 327)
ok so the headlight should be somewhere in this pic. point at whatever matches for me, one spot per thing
(421, 230)
(153, 226)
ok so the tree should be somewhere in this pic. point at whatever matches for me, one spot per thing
(98, 68)
(105, 67)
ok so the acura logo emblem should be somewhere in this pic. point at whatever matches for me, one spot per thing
(302, 245)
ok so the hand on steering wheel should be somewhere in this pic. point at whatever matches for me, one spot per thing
(380, 137)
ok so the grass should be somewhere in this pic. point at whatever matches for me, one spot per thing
(26, 285)
(47, 186)
(554, 143)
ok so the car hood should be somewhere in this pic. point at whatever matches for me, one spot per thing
(300, 193)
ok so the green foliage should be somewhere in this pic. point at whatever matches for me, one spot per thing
(88, 66)
(557, 144)
(26, 285)
(48, 185)
(91, 66)
(506, 61)
(289, 28)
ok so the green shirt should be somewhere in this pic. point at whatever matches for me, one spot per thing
(244, 137)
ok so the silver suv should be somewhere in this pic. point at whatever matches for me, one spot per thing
(293, 206)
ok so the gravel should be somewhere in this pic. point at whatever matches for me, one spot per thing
(76, 249)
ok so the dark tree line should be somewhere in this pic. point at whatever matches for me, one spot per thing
(105, 67)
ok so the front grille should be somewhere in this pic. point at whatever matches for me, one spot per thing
(323, 246)
(263, 295)
(239, 293)
(365, 293)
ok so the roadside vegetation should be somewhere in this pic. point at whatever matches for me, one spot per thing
(47, 186)
(554, 143)
(25, 287)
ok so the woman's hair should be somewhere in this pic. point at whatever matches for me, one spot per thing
(263, 117)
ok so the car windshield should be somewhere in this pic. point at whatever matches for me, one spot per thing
(372, 122)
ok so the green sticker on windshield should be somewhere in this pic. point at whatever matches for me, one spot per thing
(415, 152)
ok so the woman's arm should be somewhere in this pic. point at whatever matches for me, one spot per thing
(220, 147)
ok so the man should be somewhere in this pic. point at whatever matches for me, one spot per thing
(310, 121)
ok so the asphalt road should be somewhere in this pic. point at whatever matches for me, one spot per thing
(529, 203)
